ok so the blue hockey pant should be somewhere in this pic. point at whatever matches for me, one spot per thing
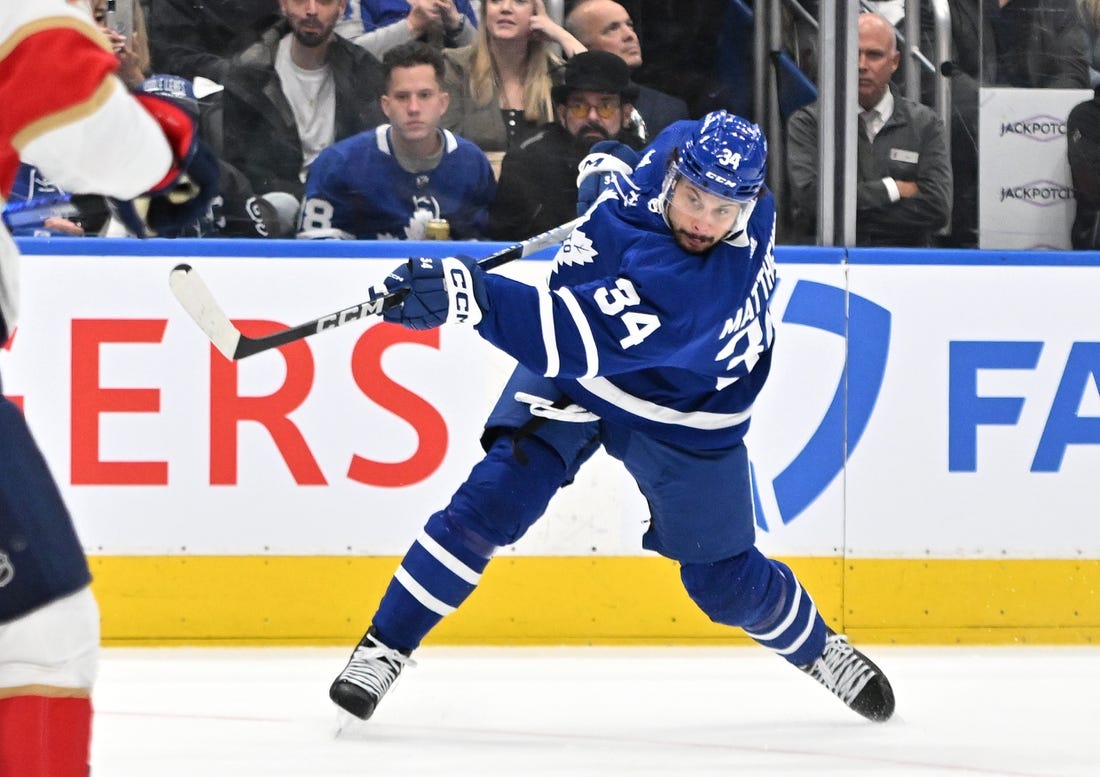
(701, 515)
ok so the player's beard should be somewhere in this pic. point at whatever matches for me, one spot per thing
(693, 242)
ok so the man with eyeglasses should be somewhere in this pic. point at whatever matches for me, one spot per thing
(538, 181)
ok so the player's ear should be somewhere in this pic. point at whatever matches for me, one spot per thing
(445, 100)
(385, 103)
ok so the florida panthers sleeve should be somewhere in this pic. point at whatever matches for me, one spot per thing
(66, 113)
(641, 332)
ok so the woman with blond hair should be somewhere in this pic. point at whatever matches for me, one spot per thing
(500, 85)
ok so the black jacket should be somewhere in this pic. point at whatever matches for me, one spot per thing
(537, 189)
(1083, 149)
(192, 38)
(260, 136)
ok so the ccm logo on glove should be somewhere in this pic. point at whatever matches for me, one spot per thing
(463, 307)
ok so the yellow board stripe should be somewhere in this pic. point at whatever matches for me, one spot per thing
(604, 600)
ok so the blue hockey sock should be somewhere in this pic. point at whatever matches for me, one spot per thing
(502, 497)
(763, 597)
(440, 570)
(794, 629)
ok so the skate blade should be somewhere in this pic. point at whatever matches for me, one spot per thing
(349, 727)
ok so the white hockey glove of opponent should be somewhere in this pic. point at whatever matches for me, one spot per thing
(183, 196)
(437, 291)
(596, 172)
(544, 408)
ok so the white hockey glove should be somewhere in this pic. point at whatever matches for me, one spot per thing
(544, 408)
(439, 291)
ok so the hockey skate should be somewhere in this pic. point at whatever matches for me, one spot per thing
(853, 678)
(369, 674)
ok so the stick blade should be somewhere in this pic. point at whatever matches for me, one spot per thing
(192, 293)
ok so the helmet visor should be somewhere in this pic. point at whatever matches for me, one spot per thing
(698, 218)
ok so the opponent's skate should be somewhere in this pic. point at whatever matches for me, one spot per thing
(853, 678)
(369, 674)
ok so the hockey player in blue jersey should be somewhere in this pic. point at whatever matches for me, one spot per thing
(652, 339)
(387, 183)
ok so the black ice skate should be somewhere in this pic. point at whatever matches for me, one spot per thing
(853, 678)
(369, 674)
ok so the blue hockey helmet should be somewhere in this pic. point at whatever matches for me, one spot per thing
(725, 156)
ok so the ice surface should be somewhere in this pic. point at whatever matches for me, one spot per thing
(209, 712)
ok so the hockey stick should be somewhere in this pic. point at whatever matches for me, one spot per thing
(188, 287)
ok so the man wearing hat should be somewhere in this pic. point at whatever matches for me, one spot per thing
(538, 181)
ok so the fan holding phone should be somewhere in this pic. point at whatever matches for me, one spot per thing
(123, 22)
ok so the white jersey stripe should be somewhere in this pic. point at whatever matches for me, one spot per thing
(805, 635)
(440, 554)
(420, 593)
(584, 331)
(786, 624)
(549, 339)
(651, 411)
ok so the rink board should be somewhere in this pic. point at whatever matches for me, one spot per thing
(941, 489)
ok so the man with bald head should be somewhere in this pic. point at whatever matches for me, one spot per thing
(604, 25)
(903, 190)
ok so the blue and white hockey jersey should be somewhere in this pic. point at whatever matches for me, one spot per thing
(358, 187)
(32, 200)
(641, 332)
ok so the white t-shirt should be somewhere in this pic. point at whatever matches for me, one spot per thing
(312, 98)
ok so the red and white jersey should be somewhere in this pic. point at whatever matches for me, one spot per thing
(66, 113)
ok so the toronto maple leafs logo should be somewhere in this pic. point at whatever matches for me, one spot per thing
(425, 209)
(576, 250)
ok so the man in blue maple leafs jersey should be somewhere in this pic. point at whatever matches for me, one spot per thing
(387, 183)
(652, 339)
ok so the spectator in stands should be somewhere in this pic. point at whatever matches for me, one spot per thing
(538, 180)
(903, 194)
(1083, 149)
(606, 25)
(387, 183)
(379, 25)
(134, 64)
(38, 207)
(295, 92)
(1038, 44)
(1090, 18)
(500, 86)
(192, 39)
